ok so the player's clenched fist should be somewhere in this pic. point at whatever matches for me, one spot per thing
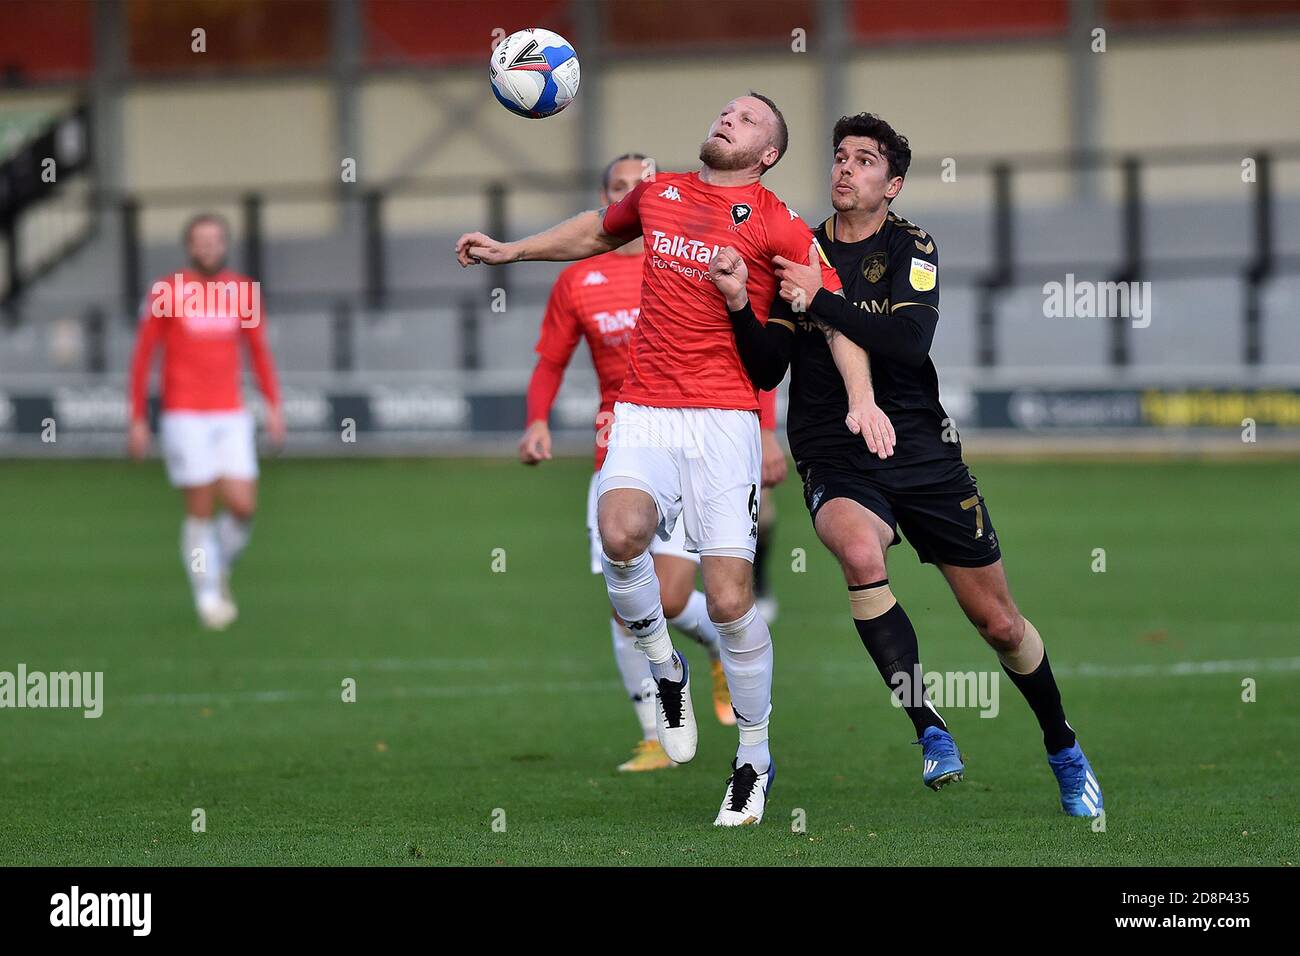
(475, 247)
(799, 282)
(535, 445)
(730, 274)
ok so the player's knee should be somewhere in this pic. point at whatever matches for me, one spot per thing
(1003, 629)
(622, 539)
(729, 602)
(862, 562)
(241, 510)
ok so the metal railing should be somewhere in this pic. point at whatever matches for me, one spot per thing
(377, 288)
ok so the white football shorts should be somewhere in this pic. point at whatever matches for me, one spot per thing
(702, 465)
(200, 447)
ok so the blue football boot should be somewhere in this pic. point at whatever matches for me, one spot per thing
(1080, 791)
(941, 761)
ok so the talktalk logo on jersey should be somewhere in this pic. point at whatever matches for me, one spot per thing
(617, 320)
(683, 248)
(208, 308)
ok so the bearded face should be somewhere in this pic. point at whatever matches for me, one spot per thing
(717, 153)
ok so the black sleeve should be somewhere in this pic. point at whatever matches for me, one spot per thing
(907, 331)
(904, 334)
(764, 349)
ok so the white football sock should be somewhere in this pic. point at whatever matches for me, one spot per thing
(633, 590)
(746, 647)
(232, 535)
(635, 671)
(201, 555)
(694, 622)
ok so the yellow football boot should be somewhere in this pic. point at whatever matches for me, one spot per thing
(722, 696)
(647, 755)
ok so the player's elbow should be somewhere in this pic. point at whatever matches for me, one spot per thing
(913, 357)
(768, 378)
(915, 347)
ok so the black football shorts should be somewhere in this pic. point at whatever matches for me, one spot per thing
(935, 504)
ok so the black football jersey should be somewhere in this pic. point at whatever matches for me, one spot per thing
(896, 267)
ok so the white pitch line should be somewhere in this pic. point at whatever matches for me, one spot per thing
(382, 693)
(1181, 668)
(1246, 667)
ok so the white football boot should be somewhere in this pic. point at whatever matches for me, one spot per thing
(678, 733)
(215, 612)
(746, 796)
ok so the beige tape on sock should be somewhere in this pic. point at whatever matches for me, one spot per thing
(871, 603)
(1026, 658)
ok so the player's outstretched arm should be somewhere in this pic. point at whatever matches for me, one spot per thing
(581, 237)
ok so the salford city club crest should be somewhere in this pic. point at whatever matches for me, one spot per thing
(739, 213)
(873, 267)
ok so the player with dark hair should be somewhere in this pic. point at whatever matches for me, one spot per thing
(685, 442)
(598, 300)
(201, 317)
(911, 476)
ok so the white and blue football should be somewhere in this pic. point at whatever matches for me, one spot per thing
(534, 73)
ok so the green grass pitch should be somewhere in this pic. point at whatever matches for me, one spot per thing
(482, 693)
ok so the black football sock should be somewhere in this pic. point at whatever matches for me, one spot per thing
(1044, 698)
(890, 639)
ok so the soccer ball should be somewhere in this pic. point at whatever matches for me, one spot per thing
(534, 73)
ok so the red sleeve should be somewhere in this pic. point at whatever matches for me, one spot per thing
(767, 411)
(623, 218)
(561, 331)
(792, 239)
(146, 340)
(542, 389)
(260, 354)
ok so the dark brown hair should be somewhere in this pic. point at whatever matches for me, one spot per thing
(898, 154)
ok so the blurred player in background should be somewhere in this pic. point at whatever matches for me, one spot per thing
(207, 435)
(911, 476)
(764, 596)
(598, 300)
(686, 440)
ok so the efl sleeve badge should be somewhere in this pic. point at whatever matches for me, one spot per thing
(923, 275)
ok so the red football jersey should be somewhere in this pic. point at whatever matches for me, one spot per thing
(200, 329)
(597, 299)
(682, 353)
